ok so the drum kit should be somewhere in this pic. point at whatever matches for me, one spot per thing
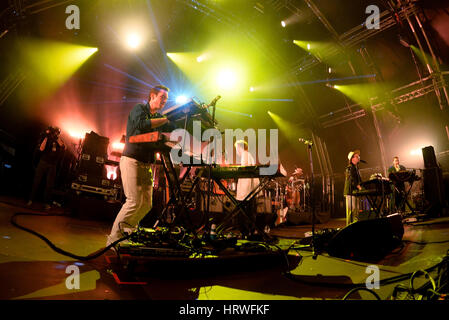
(288, 194)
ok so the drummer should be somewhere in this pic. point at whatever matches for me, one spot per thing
(293, 190)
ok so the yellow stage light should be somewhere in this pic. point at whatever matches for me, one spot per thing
(133, 41)
(226, 79)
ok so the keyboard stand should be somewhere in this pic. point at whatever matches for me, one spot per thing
(238, 209)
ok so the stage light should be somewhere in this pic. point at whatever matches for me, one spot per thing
(118, 146)
(417, 151)
(111, 172)
(133, 40)
(308, 46)
(251, 89)
(363, 93)
(330, 85)
(76, 135)
(283, 24)
(329, 70)
(51, 63)
(226, 79)
(181, 99)
(289, 129)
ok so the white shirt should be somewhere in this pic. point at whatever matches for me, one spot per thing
(246, 185)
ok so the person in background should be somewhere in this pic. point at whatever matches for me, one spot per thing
(352, 183)
(397, 197)
(51, 149)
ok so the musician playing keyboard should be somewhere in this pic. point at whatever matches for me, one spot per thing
(399, 190)
(246, 185)
(136, 162)
(352, 183)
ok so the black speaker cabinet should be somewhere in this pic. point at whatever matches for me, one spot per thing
(434, 190)
(94, 207)
(95, 145)
(430, 160)
(368, 240)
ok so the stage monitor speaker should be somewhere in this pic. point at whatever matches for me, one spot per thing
(430, 160)
(367, 240)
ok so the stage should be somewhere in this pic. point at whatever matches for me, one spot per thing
(29, 269)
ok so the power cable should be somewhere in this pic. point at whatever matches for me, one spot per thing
(91, 256)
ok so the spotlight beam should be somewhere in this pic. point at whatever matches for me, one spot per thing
(106, 85)
(137, 57)
(159, 39)
(271, 100)
(127, 74)
(235, 112)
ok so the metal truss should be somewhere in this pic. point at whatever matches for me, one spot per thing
(351, 37)
(415, 89)
(287, 4)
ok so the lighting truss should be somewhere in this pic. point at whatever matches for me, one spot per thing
(416, 90)
(351, 37)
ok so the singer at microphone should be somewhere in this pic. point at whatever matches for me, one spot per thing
(353, 183)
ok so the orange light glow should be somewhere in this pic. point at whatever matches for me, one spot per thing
(76, 135)
(118, 146)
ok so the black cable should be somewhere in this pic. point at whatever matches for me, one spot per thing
(361, 289)
(427, 276)
(91, 256)
(425, 242)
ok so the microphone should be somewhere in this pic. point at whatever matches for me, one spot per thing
(363, 161)
(213, 102)
(308, 142)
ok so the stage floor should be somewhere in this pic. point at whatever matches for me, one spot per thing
(30, 269)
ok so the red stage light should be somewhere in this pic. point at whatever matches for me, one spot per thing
(118, 146)
(111, 172)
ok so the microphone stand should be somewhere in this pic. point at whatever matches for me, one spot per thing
(309, 148)
(209, 175)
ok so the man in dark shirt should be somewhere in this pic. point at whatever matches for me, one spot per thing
(135, 164)
(397, 198)
(352, 183)
(51, 149)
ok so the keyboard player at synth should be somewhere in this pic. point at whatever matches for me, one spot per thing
(136, 163)
(352, 184)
